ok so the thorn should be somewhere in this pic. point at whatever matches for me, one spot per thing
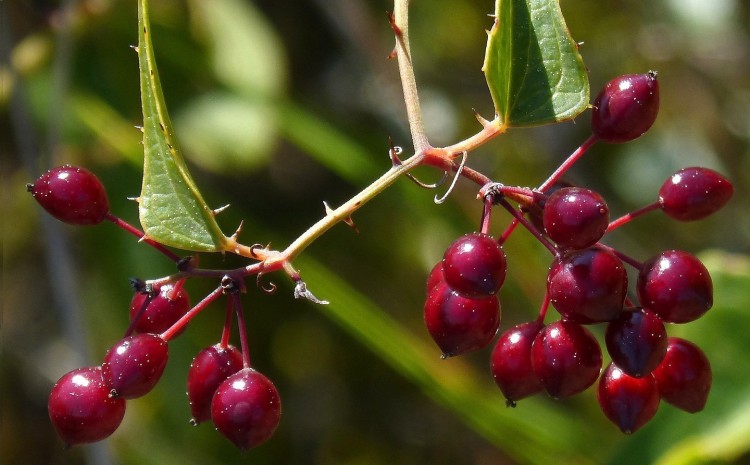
(134, 199)
(329, 210)
(392, 21)
(393, 54)
(394, 153)
(220, 209)
(238, 231)
(301, 292)
(480, 118)
(350, 222)
(135, 48)
(140, 128)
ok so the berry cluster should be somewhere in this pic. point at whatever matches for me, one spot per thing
(88, 404)
(587, 284)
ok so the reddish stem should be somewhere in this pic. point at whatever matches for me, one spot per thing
(486, 215)
(632, 215)
(227, 331)
(508, 231)
(138, 315)
(142, 237)
(242, 329)
(544, 308)
(567, 164)
(200, 306)
(625, 258)
(532, 229)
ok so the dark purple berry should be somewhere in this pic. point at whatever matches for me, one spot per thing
(71, 194)
(565, 358)
(162, 310)
(460, 324)
(510, 363)
(684, 376)
(588, 286)
(246, 408)
(676, 286)
(81, 409)
(694, 193)
(637, 341)
(133, 367)
(209, 369)
(474, 266)
(575, 217)
(628, 402)
(626, 107)
(435, 276)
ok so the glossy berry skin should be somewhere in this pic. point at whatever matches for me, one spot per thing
(694, 193)
(575, 217)
(80, 407)
(435, 276)
(676, 286)
(626, 107)
(474, 266)
(460, 324)
(588, 286)
(684, 376)
(637, 341)
(71, 194)
(162, 311)
(133, 366)
(246, 408)
(628, 402)
(566, 358)
(510, 362)
(208, 370)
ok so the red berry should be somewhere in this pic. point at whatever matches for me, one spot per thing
(71, 194)
(636, 341)
(133, 367)
(588, 286)
(510, 363)
(626, 107)
(575, 217)
(162, 311)
(459, 324)
(694, 193)
(684, 376)
(676, 286)
(627, 401)
(80, 407)
(435, 276)
(566, 358)
(474, 266)
(209, 369)
(246, 408)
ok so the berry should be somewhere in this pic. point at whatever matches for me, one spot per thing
(474, 266)
(246, 408)
(588, 286)
(208, 370)
(80, 407)
(626, 107)
(435, 276)
(71, 194)
(133, 367)
(459, 324)
(162, 311)
(694, 193)
(684, 376)
(676, 286)
(575, 217)
(637, 341)
(627, 401)
(510, 363)
(565, 358)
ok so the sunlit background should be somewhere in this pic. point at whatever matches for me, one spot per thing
(280, 105)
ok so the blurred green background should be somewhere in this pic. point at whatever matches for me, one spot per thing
(280, 105)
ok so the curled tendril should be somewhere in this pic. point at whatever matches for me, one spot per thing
(434, 185)
(439, 200)
(270, 288)
(254, 247)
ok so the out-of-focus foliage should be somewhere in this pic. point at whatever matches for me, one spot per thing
(280, 105)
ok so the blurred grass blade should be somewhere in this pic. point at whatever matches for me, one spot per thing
(172, 210)
(532, 65)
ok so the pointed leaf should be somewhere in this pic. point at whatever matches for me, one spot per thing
(172, 210)
(532, 65)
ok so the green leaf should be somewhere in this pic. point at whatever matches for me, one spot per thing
(532, 65)
(171, 208)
